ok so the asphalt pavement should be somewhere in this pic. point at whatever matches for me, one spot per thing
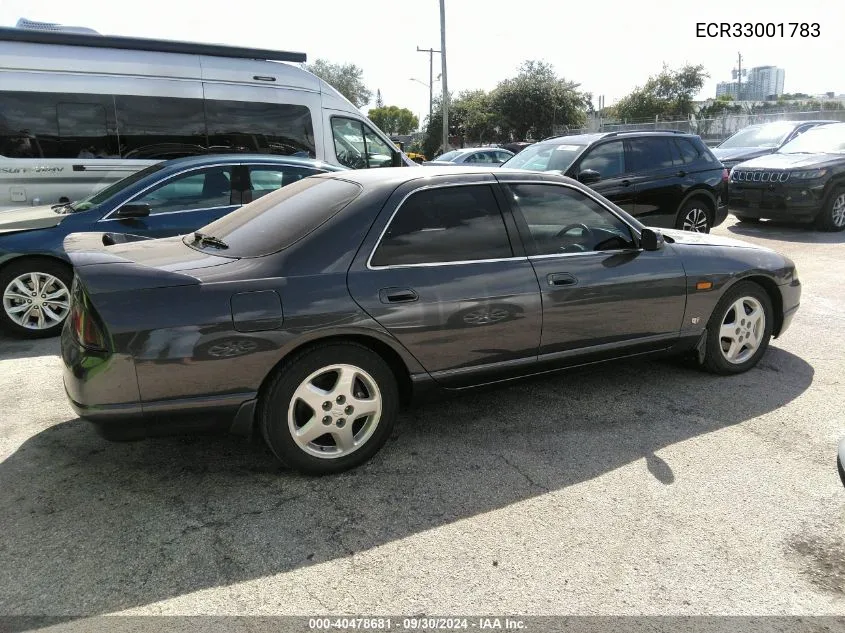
(634, 488)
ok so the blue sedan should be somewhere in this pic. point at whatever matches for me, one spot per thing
(169, 198)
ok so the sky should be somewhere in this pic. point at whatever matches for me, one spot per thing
(608, 46)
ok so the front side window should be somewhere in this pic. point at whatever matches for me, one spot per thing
(648, 154)
(357, 146)
(201, 189)
(565, 220)
(445, 224)
(608, 159)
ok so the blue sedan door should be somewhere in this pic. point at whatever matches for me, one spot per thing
(184, 202)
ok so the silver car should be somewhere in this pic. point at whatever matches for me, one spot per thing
(484, 156)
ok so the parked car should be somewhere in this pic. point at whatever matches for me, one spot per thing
(167, 198)
(803, 181)
(345, 296)
(476, 156)
(665, 179)
(840, 461)
(761, 139)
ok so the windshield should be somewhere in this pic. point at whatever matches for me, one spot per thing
(449, 155)
(545, 157)
(278, 220)
(769, 135)
(826, 139)
(103, 195)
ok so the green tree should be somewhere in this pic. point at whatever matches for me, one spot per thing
(668, 94)
(394, 120)
(473, 118)
(347, 79)
(534, 102)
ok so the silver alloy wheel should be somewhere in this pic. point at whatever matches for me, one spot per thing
(696, 220)
(334, 411)
(838, 211)
(36, 301)
(742, 330)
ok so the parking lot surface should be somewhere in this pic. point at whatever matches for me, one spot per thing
(634, 488)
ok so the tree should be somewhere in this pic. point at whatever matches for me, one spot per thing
(379, 102)
(534, 102)
(394, 120)
(347, 79)
(668, 94)
(472, 117)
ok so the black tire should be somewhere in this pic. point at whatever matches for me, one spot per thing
(277, 398)
(832, 216)
(746, 219)
(695, 212)
(714, 358)
(57, 269)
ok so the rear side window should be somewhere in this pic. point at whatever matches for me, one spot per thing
(282, 218)
(693, 152)
(647, 154)
(447, 224)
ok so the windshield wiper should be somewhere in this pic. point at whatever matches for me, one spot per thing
(209, 240)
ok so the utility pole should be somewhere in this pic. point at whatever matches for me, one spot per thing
(431, 53)
(738, 72)
(445, 85)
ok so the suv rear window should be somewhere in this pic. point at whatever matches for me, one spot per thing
(279, 219)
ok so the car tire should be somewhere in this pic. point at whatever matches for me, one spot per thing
(832, 216)
(314, 376)
(746, 219)
(696, 216)
(736, 341)
(17, 282)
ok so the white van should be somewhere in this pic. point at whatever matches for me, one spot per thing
(79, 110)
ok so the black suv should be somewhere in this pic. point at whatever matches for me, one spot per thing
(665, 179)
(761, 139)
(803, 181)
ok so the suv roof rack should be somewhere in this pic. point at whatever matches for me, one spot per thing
(94, 40)
(618, 132)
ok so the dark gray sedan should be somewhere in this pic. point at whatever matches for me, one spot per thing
(312, 315)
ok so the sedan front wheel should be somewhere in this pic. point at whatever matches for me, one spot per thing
(36, 298)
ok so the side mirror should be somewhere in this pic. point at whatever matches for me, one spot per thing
(651, 240)
(588, 176)
(133, 210)
(840, 461)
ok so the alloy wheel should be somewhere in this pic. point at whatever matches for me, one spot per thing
(837, 212)
(742, 330)
(696, 220)
(36, 301)
(334, 411)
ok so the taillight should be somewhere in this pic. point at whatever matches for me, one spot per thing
(84, 325)
(725, 175)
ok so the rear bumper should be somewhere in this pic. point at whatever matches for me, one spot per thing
(777, 202)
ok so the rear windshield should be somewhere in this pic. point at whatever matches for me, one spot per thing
(449, 155)
(545, 157)
(278, 220)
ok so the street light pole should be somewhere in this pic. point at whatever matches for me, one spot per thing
(445, 85)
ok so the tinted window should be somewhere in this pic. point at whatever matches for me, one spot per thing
(357, 146)
(265, 179)
(647, 154)
(266, 128)
(565, 220)
(160, 127)
(444, 225)
(546, 157)
(608, 159)
(281, 218)
(199, 189)
(84, 130)
(28, 127)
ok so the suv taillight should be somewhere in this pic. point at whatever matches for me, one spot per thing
(84, 325)
(725, 175)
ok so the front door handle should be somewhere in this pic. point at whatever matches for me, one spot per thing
(561, 279)
(682, 173)
(397, 295)
(626, 183)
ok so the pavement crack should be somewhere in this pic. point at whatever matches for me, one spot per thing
(525, 475)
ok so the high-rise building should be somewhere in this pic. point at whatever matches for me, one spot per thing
(760, 84)
(726, 88)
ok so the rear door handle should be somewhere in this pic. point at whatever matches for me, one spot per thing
(397, 295)
(561, 279)
(682, 173)
(626, 183)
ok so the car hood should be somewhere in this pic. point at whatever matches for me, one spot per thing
(704, 239)
(736, 154)
(793, 161)
(27, 218)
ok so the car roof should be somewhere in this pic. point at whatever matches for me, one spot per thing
(395, 176)
(589, 139)
(218, 159)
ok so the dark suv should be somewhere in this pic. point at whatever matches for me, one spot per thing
(665, 179)
(804, 181)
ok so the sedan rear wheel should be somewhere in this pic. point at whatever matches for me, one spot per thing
(330, 408)
(739, 330)
(36, 298)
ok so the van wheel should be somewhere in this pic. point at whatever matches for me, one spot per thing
(330, 408)
(694, 216)
(36, 297)
(832, 216)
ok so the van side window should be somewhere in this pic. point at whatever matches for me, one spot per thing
(357, 146)
(28, 126)
(83, 131)
(160, 127)
(264, 128)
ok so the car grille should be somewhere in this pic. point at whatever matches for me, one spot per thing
(753, 175)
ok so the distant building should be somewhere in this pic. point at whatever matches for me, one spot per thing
(762, 83)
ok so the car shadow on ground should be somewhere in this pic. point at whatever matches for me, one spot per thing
(93, 527)
(12, 348)
(786, 232)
